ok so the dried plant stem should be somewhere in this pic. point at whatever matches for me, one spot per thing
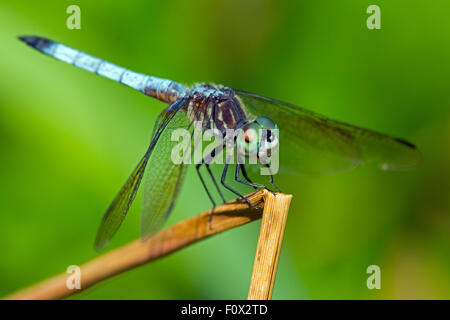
(224, 217)
(276, 207)
(171, 239)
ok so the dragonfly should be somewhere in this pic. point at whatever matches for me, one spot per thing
(311, 143)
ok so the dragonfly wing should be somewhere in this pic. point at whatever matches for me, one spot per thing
(312, 143)
(119, 207)
(163, 177)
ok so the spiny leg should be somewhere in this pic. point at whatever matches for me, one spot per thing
(248, 182)
(215, 183)
(212, 155)
(224, 174)
(207, 160)
(197, 167)
(244, 174)
(218, 190)
(254, 185)
(271, 179)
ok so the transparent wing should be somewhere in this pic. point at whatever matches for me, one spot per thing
(119, 207)
(311, 143)
(163, 177)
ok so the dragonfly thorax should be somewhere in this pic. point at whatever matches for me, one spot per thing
(215, 107)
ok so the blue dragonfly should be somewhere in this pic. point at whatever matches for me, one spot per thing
(312, 143)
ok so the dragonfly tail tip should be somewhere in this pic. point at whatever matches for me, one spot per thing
(35, 41)
(28, 39)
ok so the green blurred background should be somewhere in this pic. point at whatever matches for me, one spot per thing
(69, 139)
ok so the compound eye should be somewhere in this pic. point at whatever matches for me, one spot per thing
(248, 143)
(266, 123)
(250, 132)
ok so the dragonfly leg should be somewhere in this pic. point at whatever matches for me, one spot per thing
(207, 165)
(248, 182)
(207, 190)
(214, 181)
(217, 188)
(271, 179)
(244, 174)
(197, 167)
(224, 174)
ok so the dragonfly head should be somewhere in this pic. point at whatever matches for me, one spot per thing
(258, 138)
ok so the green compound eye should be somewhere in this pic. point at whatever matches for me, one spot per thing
(250, 135)
(250, 132)
(253, 133)
(265, 123)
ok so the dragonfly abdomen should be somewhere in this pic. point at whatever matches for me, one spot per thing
(162, 89)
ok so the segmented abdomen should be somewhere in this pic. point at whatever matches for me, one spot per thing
(162, 89)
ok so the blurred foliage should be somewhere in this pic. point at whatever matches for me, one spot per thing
(69, 139)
